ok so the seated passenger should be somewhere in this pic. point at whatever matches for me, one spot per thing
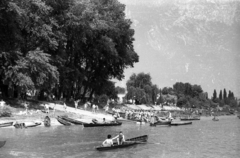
(108, 142)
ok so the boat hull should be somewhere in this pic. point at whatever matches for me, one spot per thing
(127, 143)
(102, 124)
(73, 121)
(180, 123)
(7, 124)
(63, 122)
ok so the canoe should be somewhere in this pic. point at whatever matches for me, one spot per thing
(102, 124)
(163, 123)
(73, 121)
(2, 143)
(27, 125)
(180, 123)
(189, 119)
(127, 143)
(7, 124)
(142, 138)
(63, 122)
(47, 121)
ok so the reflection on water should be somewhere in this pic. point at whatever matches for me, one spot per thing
(204, 138)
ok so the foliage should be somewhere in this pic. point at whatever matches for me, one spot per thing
(141, 89)
(69, 48)
(120, 90)
(5, 112)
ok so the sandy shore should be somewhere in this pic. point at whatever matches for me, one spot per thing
(38, 116)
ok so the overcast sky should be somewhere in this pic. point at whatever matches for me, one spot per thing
(187, 41)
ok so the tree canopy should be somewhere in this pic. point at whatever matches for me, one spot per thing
(69, 48)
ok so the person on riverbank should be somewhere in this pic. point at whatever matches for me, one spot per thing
(26, 107)
(76, 103)
(93, 108)
(65, 107)
(108, 142)
(120, 138)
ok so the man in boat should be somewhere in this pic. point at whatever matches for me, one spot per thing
(120, 138)
(108, 142)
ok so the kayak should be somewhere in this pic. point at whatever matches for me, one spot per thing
(2, 143)
(127, 143)
(102, 124)
(180, 123)
(63, 122)
(73, 121)
(7, 124)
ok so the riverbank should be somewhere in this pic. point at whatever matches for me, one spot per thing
(35, 113)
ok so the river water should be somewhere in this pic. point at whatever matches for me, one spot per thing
(202, 139)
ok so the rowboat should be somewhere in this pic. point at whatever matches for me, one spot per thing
(167, 122)
(27, 124)
(65, 123)
(190, 119)
(180, 123)
(127, 143)
(47, 121)
(7, 124)
(142, 138)
(102, 124)
(2, 143)
(73, 121)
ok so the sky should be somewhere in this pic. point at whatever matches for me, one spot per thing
(187, 41)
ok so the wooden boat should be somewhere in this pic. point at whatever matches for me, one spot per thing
(27, 125)
(7, 124)
(47, 121)
(127, 143)
(2, 143)
(167, 122)
(73, 121)
(142, 138)
(102, 124)
(180, 123)
(63, 122)
(190, 119)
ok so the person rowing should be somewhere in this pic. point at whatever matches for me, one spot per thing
(108, 142)
(120, 138)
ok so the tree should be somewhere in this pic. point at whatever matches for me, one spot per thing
(145, 91)
(220, 95)
(224, 94)
(120, 90)
(214, 94)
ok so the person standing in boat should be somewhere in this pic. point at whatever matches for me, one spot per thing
(120, 138)
(108, 142)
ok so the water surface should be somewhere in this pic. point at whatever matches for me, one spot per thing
(205, 138)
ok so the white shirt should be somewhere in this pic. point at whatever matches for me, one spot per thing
(107, 142)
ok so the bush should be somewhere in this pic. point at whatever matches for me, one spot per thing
(5, 112)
